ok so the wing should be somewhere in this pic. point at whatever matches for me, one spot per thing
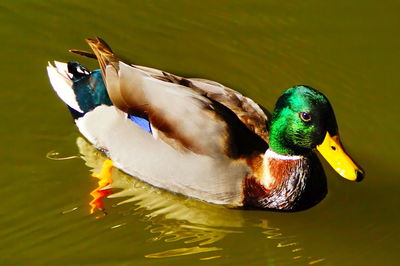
(249, 113)
(202, 116)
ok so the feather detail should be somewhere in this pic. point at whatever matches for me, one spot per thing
(182, 109)
(177, 111)
(83, 53)
(213, 179)
(289, 183)
(104, 54)
(244, 108)
(62, 84)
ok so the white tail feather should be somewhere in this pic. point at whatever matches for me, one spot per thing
(62, 84)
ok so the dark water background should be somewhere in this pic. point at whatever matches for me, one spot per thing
(348, 50)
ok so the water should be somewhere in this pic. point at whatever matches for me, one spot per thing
(349, 51)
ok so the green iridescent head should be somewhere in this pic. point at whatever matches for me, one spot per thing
(301, 119)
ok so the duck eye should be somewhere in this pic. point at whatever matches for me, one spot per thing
(305, 116)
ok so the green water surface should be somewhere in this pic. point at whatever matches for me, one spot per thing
(349, 50)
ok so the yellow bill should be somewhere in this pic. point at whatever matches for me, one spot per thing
(331, 149)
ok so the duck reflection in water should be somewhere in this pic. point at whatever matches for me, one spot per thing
(199, 225)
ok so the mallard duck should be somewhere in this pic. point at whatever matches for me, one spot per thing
(202, 139)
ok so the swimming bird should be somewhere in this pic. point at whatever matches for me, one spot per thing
(201, 139)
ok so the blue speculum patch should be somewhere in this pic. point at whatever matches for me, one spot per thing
(141, 122)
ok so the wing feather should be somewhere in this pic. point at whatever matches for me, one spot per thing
(200, 115)
(244, 108)
(178, 112)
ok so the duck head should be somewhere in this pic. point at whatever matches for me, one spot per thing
(292, 177)
(303, 120)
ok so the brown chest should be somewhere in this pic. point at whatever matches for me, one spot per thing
(288, 180)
